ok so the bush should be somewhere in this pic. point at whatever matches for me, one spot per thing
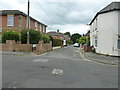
(57, 42)
(35, 36)
(45, 38)
(10, 35)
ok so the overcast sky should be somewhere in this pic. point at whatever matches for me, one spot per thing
(65, 15)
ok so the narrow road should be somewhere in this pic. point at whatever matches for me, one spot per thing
(62, 68)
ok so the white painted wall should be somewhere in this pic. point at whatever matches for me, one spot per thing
(107, 33)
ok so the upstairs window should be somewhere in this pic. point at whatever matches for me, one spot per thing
(10, 21)
(41, 28)
(36, 26)
(44, 29)
(118, 42)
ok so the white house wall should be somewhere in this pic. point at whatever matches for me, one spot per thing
(106, 31)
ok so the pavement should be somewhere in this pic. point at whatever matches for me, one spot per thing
(13, 53)
(61, 68)
(100, 58)
(57, 47)
(23, 53)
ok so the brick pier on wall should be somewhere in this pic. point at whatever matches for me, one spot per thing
(41, 47)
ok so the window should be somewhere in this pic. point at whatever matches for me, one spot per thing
(95, 41)
(96, 24)
(10, 20)
(41, 28)
(36, 26)
(44, 29)
(20, 21)
(118, 42)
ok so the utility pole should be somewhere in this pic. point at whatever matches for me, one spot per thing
(28, 18)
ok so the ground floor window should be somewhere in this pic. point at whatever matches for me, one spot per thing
(118, 42)
(95, 41)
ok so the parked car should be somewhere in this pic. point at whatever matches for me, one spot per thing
(76, 45)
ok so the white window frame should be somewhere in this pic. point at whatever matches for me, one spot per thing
(8, 20)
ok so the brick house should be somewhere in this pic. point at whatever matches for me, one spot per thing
(58, 35)
(16, 20)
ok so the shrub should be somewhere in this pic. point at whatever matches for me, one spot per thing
(10, 35)
(34, 36)
(45, 38)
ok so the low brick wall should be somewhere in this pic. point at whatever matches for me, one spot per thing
(87, 48)
(11, 45)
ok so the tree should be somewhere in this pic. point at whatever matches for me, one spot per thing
(67, 33)
(75, 36)
(82, 40)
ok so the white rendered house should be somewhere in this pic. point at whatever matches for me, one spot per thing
(105, 30)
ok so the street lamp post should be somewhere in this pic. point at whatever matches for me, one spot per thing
(28, 41)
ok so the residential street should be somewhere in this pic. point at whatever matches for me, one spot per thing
(61, 68)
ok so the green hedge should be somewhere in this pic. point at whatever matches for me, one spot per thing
(45, 38)
(57, 42)
(34, 36)
(10, 35)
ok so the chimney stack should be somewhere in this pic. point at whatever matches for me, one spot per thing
(58, 31)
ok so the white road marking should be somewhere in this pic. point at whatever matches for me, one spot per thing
(40, 60)
(57, 71)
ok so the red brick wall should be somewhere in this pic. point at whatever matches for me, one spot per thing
(24, 21)
(11, 45)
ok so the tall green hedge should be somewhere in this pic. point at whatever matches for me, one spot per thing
(34, 36)
(45, 38)
(10, 35)
(57, 42)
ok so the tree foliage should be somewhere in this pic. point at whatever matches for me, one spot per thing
(75, 36)
(67, 33)
(82, 40)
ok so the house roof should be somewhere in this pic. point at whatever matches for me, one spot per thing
(54, 33)
(17, 12)
(111, 7)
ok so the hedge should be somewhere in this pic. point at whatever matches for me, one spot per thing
(57, 42)
(45, 38)
(10, 35)
(34, 36)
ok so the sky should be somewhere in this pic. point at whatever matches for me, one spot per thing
(66, 15)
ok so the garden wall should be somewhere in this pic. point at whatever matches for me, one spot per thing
(41, 47)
